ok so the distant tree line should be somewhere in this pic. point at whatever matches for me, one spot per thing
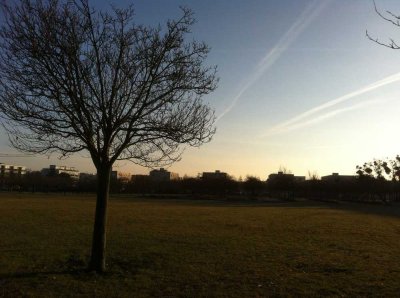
(376, 181)
(37, 182)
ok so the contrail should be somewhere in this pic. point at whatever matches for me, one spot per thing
(306, 17)
(295, 120)
(321, 118)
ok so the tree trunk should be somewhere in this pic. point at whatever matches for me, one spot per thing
(98, 257)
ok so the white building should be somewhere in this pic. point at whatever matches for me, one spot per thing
(11, 170)
(54, 170)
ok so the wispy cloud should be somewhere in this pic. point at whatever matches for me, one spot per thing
(306, 17)
(320, 118)
(300, 120)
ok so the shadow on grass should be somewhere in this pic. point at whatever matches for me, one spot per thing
(381, 209)
(44, 273)
(392, 209)
(76, 268)
(378, 208)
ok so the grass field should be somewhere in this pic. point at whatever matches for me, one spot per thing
(174, 248)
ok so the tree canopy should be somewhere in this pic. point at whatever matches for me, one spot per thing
(73, 79)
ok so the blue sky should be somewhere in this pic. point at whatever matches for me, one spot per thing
(300, 86)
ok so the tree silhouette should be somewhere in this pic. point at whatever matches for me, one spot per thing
(381, 169)
(75, 79)
(391, 18)
(253, 185)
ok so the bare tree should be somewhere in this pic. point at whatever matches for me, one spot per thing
(284, 170)
(75, 79)
(389, 168)
(391, 18)
(313, 175)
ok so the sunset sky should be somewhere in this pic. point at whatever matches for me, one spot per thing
(300, 86)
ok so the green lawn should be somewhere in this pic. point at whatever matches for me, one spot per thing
(182, 248)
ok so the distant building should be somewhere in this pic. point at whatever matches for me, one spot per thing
(122, 176)
(214, 175)
(280, 175)
(335, 177)
(163, 175)
(11, 170)
(54, 170)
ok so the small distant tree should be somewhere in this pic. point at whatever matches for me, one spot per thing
(394, 165)
(284, 170)
(75, 79)
(313, 176)
(219, 185)
(253, 185)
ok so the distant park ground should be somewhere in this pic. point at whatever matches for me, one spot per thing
(198, 248)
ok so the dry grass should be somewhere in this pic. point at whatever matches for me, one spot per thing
(198, 249)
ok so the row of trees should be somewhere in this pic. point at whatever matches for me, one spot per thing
(375, 180)
(36, 182)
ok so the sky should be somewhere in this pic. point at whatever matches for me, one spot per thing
(301, 87)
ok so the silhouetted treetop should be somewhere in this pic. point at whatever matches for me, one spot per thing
(381, 169)
(73, 79)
